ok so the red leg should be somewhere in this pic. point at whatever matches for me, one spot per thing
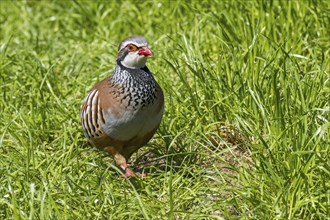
(128, 171)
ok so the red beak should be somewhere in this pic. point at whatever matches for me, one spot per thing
(145, 51)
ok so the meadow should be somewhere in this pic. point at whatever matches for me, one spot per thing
(245, 132)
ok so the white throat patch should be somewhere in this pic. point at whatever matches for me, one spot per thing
(134, 61)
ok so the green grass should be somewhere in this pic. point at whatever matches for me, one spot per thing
(245, 133)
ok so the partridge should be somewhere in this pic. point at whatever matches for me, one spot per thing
(122, 112)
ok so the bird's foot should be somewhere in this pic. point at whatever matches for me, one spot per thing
(130, 173)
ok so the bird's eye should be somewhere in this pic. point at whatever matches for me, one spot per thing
(132, 47)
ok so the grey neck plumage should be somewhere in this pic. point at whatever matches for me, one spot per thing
(139, 84)
(132, 77)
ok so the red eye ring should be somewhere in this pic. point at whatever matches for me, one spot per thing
(132, 47)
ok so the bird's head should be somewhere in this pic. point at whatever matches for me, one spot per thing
(133, 52)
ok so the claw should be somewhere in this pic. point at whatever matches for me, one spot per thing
(130, 173)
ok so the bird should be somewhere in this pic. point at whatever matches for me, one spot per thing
(121, 113)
